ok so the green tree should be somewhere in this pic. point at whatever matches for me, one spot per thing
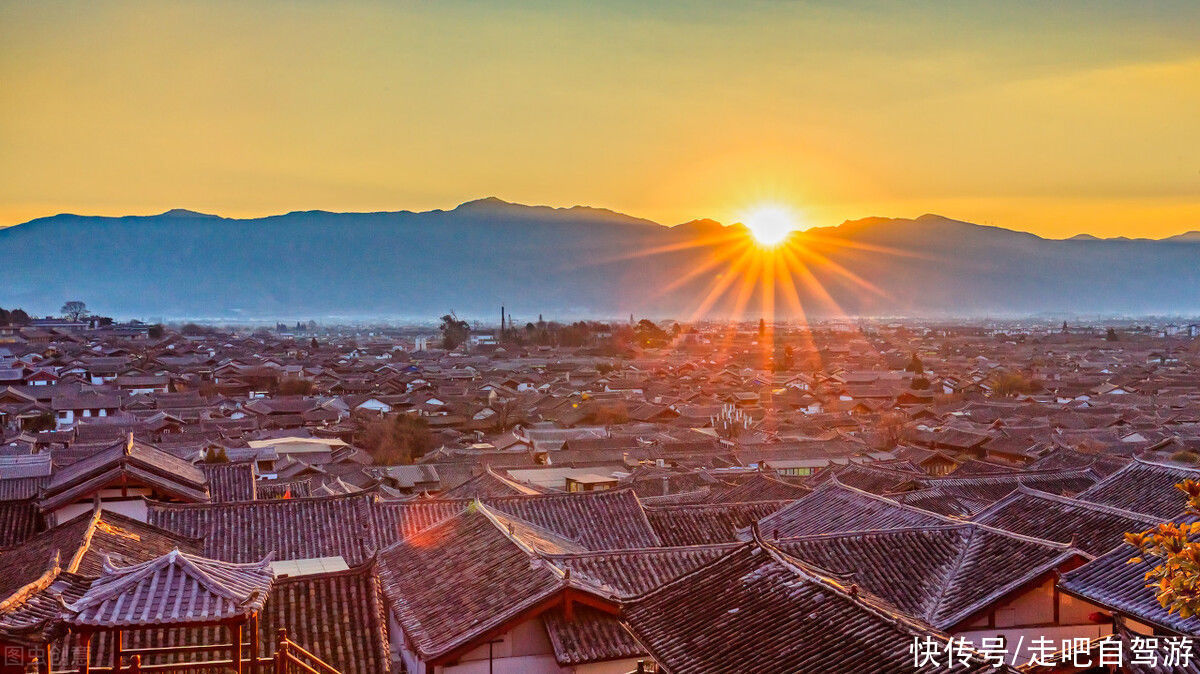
(74, 310)
(610, 414)
(395, 440)
(295, 386)
(915, 365)
(789, 357)
(1111, 335)
(1010, 384)
(19, 317)
(647, 333)
(454, 331)
(155, 331)
(217, 455)
(42, 422)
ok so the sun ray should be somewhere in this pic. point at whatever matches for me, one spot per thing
(842, 271)
(725, 237)
(721, 283)
(715, 258)
(811, 282)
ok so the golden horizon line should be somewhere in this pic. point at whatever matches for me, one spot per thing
(576, 207)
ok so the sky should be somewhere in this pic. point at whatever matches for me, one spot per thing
(1057, 118)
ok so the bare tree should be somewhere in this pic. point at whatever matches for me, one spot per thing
(74, 310)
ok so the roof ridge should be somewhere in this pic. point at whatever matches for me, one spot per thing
(116, 580)
(1072, 501)
(1160, 464)
(1020, 580)
(500, 519)
(1012, 534)
(698, 506)
(646, 551)
(37, 585)
(269, 502)
(950, 572)
(856, 533)
(877, 606)
(526, 490)
(881, 498)
(716, 560)
(90, 531)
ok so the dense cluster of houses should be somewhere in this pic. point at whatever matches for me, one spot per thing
(848, 498)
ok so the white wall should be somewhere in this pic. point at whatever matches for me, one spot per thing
(134, 508)
(610, 667)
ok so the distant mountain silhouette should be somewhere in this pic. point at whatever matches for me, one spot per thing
(1192, 236)
(571, 262)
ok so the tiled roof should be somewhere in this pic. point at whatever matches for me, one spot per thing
(876, 480)
(1102, 464)
(941, 575)
(936, 501)
(81, 544)
(34, 616)
(488, 484)
(453, 582)
(231, 481)
(21, 487)
(275, 489)
(1111, 581)
(756, 487)
(597, 520)
(339, 616)
(1093, 528)
(297, 528)
(707, 523)
(589, 636)
(835, 507)
(632, 572)
(18, 521)
(977, 467)
(176, 588)
(757, 610)
(1144, 487)
(992, 488)
(128, 459)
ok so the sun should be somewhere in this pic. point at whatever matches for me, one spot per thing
(770, 224)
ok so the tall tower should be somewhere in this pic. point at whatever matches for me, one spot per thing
(501, 319)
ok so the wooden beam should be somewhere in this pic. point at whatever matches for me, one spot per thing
(254, 636)
(85, 656)
(235, 631)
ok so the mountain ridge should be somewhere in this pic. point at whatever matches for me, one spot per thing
(574, 262)
(493, 203)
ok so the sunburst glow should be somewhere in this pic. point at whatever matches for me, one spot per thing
(770, 224)
(783, 271)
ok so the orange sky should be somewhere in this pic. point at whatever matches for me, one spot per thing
(1057, 118)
